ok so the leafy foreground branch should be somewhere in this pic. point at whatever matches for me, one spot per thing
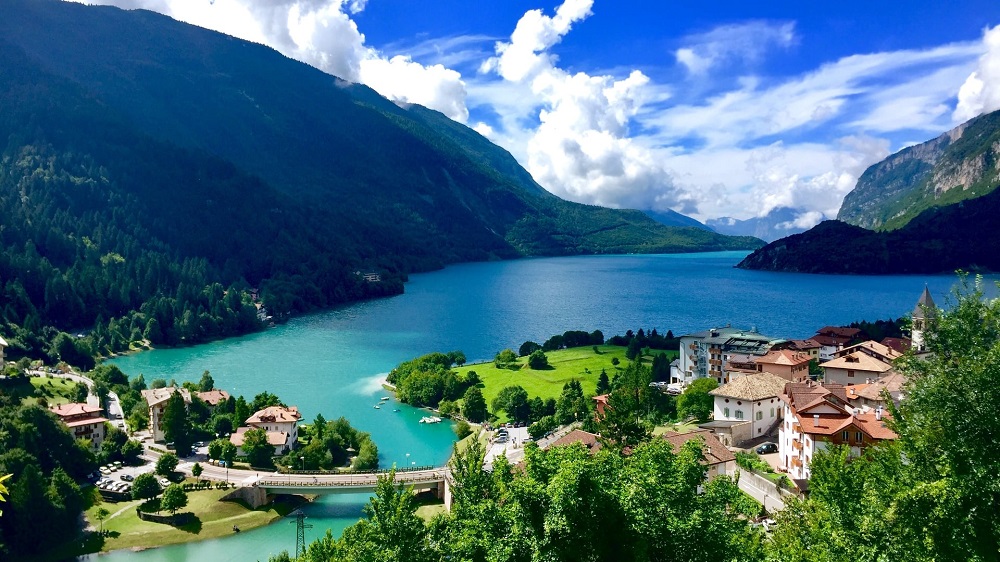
(565, 504)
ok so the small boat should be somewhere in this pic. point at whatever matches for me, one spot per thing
(430, 419)
(396, 410)
(384, 398)
(377, 407)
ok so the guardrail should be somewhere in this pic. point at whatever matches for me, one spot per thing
(349, 482)
(375, 471)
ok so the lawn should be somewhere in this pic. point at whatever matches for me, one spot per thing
(579, 363)
(214, 519)
(675, 427)
(56, 391)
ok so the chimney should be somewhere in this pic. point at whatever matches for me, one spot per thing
(878, 413)
(815, 420)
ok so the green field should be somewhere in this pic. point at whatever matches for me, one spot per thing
(56, 391)
(214, 519)
(579, 363)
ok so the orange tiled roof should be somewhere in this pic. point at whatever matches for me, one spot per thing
(275, 414)
(784, 357)
(858, 361)
(74, 409)
(213, 397)
(589, 440)
(274, 438)
(715, 452)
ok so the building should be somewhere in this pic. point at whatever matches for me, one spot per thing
(833, 339)
(84, 421)
(590, 441)
(600, 403)
(817, 417)
(754, 398)
(157, 398)
(902, 345)
(707, 353)
(809, 346)
(923, 313)
(853, 368)
(787, 364)
(719, 460)
(213, 397)
(870, 396)
(3, 346)
(280, 424)
(879, 351)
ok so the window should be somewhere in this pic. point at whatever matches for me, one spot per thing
(725, 412)
(760, 415)
(739, 414)
(850, 374)
(772, 412)
(859, 437)
(846, 435)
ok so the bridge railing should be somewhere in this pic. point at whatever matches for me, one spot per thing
(375, 471)
(348, 482)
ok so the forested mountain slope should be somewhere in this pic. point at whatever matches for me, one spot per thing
(960, 164)
(964, 235)
(153, 172)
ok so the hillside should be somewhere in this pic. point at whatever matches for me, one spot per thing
(964, 235)
(960, 164)
(153, 173)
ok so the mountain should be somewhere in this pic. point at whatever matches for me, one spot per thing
(775, 224)
(964, 235)
(960, 164)
(673, 218)
(155, 174)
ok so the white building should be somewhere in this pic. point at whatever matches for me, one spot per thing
(84, 421)
(755, 398)
(707, 353)
(3, 345)
(157, 398)
(853, 368)
(280, 424)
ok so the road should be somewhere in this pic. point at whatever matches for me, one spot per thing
(771, 500)
(115, 413)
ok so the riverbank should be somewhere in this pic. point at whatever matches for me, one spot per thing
(213, 518)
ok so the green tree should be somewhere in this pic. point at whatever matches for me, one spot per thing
(145, 487)
(176, 426)
(514, 401)
(174, 498)
(101, 514)
(527, 348)
(166, 464)
(572, 405)
(474, 405)
(196, 470)
(391, 529)
(264, 400)
(206, 383)
(367, 458)
(603, 384)
(537, 360)
(130, 451)
(256, 448)
(633, 351)
(626, 416)
(3, 489)
(696, 401)
(504, 358)
(462, 429)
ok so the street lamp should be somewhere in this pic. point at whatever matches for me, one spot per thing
(303, 459)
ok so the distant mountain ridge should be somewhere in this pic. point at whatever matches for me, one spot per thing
(958, 165)
(151, 170)
(673, 218)
(775, 224)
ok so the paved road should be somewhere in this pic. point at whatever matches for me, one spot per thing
(771, 501)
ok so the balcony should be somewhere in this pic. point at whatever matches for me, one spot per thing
(797, 445)
(796, 462)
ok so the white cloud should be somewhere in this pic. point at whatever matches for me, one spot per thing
(744, 43)
(981, 91)
(321, 33)
(577, 127)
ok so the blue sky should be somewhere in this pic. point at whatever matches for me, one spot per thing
(712, 109)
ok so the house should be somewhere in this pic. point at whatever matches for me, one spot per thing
(213, 397)
(923, 314)
(854, 368)
(279, 422)
(746, 407)
(600, 403)
(787, 364)
(589, 440)
(84, 421)
(808, 346)
(719, 460)
(818, 416)
(902, 345)
(871, 348)
(832, 339)
(869, 396)
(157, 398)
(707, 353)
(3, 346)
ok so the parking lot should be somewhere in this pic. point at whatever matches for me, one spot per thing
(118, 478)
(510, 442)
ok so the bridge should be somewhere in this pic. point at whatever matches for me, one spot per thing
(255, 488)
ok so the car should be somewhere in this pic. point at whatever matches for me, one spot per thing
(127, 477)
(170, 445)
(767, 448)
(164, 482)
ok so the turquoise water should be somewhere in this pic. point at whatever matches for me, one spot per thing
(331, 362)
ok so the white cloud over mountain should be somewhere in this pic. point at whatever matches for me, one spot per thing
(721, 138)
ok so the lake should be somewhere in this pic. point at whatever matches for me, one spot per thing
(332, 362)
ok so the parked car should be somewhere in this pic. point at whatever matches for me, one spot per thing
(128, 477)
(164, 482)
(766, 448)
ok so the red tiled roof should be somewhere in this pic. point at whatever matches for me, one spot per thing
(715, 452)
(838, 331)
(275, 414)
(274, 438)
(589, 440)
(901, 345)
(213, 397)
(75, 409)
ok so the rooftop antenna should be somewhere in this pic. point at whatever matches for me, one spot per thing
(300, 532)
